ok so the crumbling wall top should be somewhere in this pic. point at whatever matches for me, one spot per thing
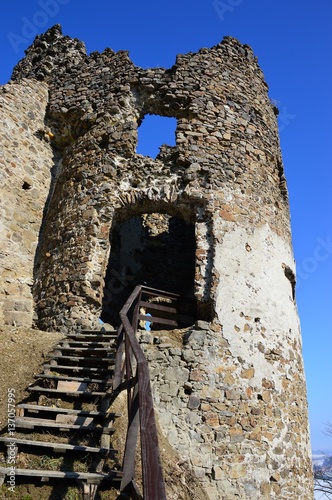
(50, 51)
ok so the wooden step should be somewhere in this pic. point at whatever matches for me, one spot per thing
(68, 377)
(43, 390)
(113, 332)
(76, 369)
(91, 477)
(57, 447)
(67, 411)
(104, 337)
(65, 419)
(92, 350)
(83, 359)
(85, 343)
(32, 423)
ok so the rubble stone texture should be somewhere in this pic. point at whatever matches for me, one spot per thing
(232, 399)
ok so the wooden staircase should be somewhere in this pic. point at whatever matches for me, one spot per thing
(67, 418)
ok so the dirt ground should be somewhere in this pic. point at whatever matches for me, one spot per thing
(23, 351)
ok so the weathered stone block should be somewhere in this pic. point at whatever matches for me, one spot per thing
(179, 375)
(237, 471)
(194, 402)
(218, 473)
(211, 418)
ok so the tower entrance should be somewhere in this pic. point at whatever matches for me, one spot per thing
(154, 249)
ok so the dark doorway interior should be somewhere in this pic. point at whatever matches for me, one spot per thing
(155, 249)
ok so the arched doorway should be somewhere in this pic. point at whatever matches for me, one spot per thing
(155, 249)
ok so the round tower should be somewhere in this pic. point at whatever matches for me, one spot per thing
(232, 398)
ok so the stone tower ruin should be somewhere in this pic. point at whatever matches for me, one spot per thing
(81, 211)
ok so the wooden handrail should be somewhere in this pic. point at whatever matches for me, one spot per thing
(134, 369)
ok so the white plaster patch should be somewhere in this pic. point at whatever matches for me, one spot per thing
(254, 300)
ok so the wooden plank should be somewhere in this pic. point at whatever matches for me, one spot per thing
(152, 305)
(153, 481)
(73, 419)
(117, 378)
(178, 316)
(69, 377)
(154, 485)
(88, 476)
(131, 444)
(96, 331)
(68, 411)
(83, 359)
(94, 350)
(87, 343)
(75, 369)
(71, 386)
(154, 319)
(57, 446)
(164, 321)
(36, 388)
(31, 423)
(89, 336)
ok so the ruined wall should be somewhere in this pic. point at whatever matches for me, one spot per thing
(226, 164)
(26, 161)
(235, 421)
(236, 409)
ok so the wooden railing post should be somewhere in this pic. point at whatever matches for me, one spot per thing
(131, 444)
(118, 360)
(141, 414)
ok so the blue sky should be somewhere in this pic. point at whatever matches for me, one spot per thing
(293, 42)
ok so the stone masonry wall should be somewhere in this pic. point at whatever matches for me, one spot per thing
(230, 418)
(26, 161)
(230, 395)
(226, 160)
